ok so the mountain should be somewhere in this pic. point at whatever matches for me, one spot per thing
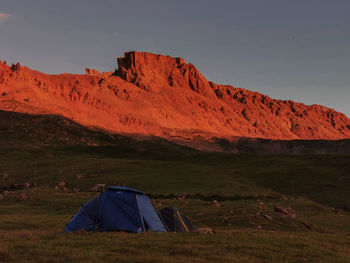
(164, 96)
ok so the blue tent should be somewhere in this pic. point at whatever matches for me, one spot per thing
(117, 209)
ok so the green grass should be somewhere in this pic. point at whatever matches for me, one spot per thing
(29, 232)
(247, 186)
(322, 178)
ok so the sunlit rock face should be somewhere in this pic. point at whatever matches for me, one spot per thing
(160, 95)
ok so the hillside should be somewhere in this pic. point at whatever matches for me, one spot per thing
(246, 188)
(22, 130)
(234, 194)
(164, 96)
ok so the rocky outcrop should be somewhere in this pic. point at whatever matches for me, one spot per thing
(92, 72)
(157, 73)
(164, 96)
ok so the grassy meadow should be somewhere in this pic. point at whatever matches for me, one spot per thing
(246, 186)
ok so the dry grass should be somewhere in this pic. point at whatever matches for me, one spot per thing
(246, 186)
(224, 246)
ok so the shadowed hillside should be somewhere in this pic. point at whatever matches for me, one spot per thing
(20, 130)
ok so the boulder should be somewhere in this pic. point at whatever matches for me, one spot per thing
(204, 230)
(307, 225)
(61, 184)
(268, 217)
(22, 196)
(289, 212)
(80, 176)
(216, 203)
(16, 67)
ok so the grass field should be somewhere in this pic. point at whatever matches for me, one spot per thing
(246, 186)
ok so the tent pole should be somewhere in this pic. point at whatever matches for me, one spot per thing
(141, 217)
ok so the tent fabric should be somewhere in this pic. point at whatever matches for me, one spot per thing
(85, 217)
(124, 188)
(175, 220)
(117, 209)
(149, 214)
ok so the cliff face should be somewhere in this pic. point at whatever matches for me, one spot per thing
(164, 96)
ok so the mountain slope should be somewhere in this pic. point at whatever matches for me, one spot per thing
(164, 96)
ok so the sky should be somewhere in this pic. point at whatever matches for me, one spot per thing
(288, 49)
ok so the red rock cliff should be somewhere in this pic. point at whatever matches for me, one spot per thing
(164, 96)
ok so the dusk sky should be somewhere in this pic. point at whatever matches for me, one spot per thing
(296, 49)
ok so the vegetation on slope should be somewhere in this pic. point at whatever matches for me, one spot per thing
(247, 187)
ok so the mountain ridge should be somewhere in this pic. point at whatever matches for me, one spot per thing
(164, 96)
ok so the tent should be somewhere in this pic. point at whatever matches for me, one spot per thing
(175, 220)
(117, 209)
